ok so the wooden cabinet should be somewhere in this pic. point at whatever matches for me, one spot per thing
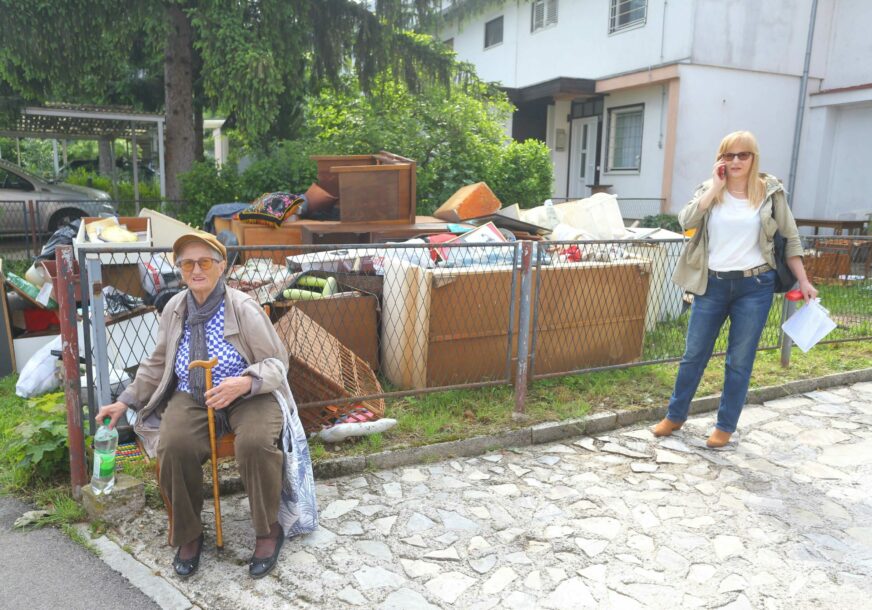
(262, 235)
(371, 188)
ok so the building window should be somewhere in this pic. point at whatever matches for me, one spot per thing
(543, 14)
(493, 32)
(626, 14)
(625, 138)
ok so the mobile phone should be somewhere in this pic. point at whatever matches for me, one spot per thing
(722, 172)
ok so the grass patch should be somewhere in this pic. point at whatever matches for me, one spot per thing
(144, 471)
(457, 414)
(79, 538)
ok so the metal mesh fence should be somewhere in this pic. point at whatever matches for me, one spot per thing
(17, 238)
(366, 322)
(839, 267)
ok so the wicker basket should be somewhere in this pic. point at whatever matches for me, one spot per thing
(321, 368)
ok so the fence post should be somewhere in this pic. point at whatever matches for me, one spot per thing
(34, 229)
(523, 329)
(103, 392)
(70, 350)
(787, 310)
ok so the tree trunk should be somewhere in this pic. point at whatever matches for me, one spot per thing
(199, 97)
(198, 130)
(179, 99)
(105, 165)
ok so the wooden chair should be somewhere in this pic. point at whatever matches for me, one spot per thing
(225, 449)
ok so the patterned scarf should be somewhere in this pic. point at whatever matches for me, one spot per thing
(197, 317)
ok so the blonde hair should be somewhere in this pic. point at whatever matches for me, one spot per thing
(756, 186)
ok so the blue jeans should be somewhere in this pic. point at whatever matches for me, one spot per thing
(746, 302)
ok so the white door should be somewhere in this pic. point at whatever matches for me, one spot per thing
(583, 157)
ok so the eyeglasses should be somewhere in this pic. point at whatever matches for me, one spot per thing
(187, 264)
(743, 156)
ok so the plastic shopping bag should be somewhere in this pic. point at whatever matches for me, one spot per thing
(809, 325)
(40, 373)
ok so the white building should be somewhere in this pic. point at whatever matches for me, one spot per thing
(637, 94)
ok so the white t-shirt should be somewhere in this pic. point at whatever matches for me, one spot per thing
(734, 235)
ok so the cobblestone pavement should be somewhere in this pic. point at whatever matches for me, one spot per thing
(782, 518)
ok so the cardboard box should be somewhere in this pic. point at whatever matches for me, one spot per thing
(449, 326)
(133, 223)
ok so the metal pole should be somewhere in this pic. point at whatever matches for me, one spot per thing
(510, 343)
(803, 87)
(54, 157)
(98, 330)
(27, 242)
(85, 282)
(523, 329)
(787, 309)
(160, 156)
(72, 385)
(34, 227)
(135, 160)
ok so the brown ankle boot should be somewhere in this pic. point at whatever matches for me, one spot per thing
(666, 427)
(719, 438)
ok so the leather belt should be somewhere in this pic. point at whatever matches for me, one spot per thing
(742, 273)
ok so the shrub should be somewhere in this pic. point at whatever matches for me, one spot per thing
(663, 221)
(453, 136)
(36, 448)
(522, 173)
(286, 167)
(204, 186)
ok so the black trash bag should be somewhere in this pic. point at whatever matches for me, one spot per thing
(163, 297)
(118, 302)
(62, 237)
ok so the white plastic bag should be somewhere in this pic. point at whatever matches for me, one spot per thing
(808, 325)
(157, 274)
(40, 374)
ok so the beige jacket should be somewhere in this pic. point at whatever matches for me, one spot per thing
(691, 272)
(246, 327)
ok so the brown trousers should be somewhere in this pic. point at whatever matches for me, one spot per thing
(184, 447)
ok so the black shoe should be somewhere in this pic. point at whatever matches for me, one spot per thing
(260, 567)
(186, 567)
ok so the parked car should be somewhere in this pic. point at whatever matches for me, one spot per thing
(55, 204)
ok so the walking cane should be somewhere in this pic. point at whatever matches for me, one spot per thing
(219, 534)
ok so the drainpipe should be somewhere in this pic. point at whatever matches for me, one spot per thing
(803, 87)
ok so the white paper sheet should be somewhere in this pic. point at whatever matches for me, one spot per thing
(809, 325)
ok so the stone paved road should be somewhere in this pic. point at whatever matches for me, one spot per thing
(780, 519)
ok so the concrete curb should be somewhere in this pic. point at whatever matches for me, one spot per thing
(140, 575)
(548, 432)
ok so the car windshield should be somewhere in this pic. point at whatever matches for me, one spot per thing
(13, 182)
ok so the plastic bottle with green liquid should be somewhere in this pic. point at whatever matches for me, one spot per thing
(105, 443)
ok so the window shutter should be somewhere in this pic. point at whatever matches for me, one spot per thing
(538, 16)
(551, 17)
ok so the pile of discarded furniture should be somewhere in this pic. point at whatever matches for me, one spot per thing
(355, 314)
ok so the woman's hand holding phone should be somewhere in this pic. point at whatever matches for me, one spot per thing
(719, 175)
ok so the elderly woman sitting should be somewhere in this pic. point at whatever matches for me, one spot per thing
(250, 396)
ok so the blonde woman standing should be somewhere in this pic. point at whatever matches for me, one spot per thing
(729, 266)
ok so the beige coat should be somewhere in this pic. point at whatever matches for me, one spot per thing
(691, 272)
(246, 327)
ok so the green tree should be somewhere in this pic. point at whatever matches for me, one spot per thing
(254, 61)
(453, 137)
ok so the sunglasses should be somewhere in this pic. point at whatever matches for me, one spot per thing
(743, 156)
(187, 265)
